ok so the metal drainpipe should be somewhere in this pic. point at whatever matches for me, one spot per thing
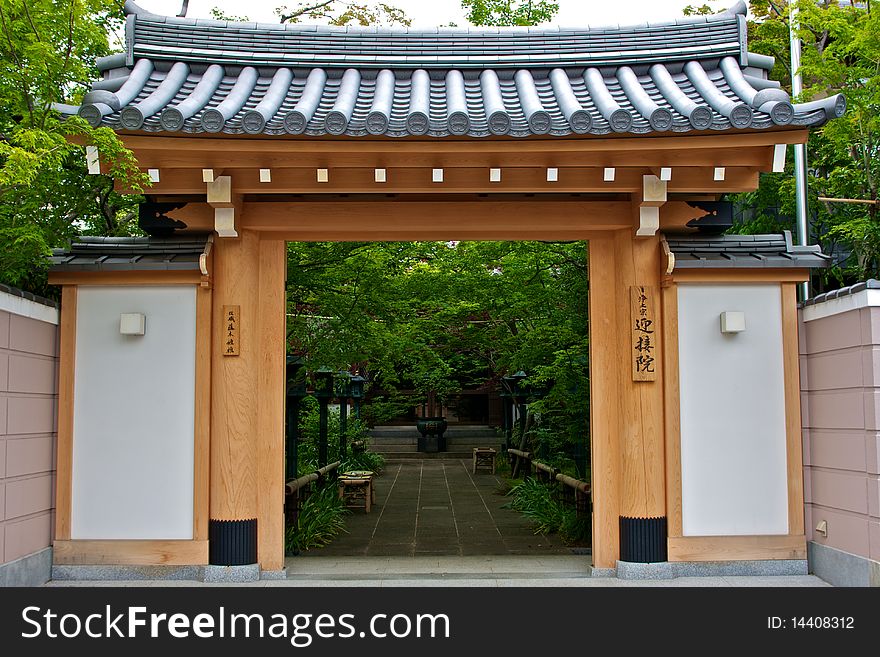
(800, 150)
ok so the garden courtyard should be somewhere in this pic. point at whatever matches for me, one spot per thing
(438, 507)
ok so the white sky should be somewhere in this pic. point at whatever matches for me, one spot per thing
(429, 13)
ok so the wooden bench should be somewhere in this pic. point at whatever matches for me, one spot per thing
(484, 458)
(356, 489)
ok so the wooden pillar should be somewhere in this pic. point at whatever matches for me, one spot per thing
(642, 511)
(793, 425)
(270, 410)
(604, 375)
(233, 525)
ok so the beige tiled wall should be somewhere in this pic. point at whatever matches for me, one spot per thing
(840, 377)
(28, 385)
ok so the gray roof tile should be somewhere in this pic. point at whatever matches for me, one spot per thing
(160, 42)
(130, 253)
(743, 251)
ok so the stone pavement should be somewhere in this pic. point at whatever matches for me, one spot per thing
(437, 507)
(547, 571)
(436, 524)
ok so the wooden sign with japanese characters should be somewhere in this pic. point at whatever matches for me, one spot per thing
(231, 320)
(643, 328)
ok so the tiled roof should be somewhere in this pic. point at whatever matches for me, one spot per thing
(194, 75)
(743, 251)
(130, 253)
(870, 284)
(30, 296)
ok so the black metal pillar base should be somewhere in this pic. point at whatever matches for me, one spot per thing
(643, 540)
(232, 542)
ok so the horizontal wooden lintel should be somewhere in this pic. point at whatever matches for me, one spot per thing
(126, 277)
(736, 548)
(130, 552)
(740, 275)
(458, 180)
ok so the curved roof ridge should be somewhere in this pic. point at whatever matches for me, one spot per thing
(739, 8)
(197, 40)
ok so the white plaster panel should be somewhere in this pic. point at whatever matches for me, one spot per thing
(134, 415)
(733, 442)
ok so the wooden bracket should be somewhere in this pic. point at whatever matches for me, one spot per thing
(653, 196)
(226, 205)
(224, 222)
(667, 263)
(205, 260)
(779, 151)
(649, 221)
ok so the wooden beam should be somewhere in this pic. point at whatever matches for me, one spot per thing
(736, 548)
(66, 389)
(430, 220)
(399, 180)
(130, 552)
(740, 275)
(793, 430)
(740, 149)
(673, 215)
(132, 277)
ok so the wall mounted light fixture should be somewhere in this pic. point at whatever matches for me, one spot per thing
(132, 323)
(733, 321)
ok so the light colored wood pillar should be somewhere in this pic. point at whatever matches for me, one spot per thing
(640, 404)
(270, 409)
(604, 375)
(793, 425)
(672, 408)
(66, 368)
(234, 400)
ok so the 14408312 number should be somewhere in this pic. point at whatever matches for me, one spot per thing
(811, 623)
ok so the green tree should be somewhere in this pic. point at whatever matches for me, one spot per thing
(48, 50)
(841, 52)
(509, 12)
(438, 317)
(337, 12)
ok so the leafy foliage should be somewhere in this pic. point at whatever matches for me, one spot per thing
(307, 452)
(540, 503)
(48, 50)
(320, 520)
(509, 12)
(363, 460)
(340, 13)
(426, 318)
(841, 52)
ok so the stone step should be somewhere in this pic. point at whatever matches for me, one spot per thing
(476, 441)
(413, 456)
(454, 447)
(411, 431)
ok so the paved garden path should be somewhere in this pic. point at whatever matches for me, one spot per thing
(437, 507)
